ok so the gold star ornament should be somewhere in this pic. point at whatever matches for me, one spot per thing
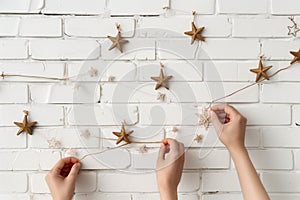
(117, 41)
(297, 56)
(25, 125)
(123, 135)
(195, 33)
(162, 80)
(261, 71)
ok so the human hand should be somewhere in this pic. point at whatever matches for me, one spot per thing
(61, 178)
(230, 126)
(169, 168)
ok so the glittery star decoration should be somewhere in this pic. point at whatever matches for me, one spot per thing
(198, 138)
(204, 118)
(117, 41)
(123, 135)
(162, 80)
(25, 125)
(175, 129)
(261, 71)
(85, 133)
(160, 96)
(195, 33)
(93, 72)
(53, 143)
(297, 56)
(142, 149)
(293, 30)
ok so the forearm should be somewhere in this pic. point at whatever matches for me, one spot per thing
(168, 195)
(251, 185)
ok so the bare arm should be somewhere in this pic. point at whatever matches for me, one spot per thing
(231, 125)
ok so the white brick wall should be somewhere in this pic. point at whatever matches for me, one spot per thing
(60, 38)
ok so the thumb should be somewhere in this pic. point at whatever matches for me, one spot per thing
(161, 153)
(215, 121)
(74, 171)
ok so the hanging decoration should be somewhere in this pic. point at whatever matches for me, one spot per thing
(198, 138)
(142, 149)
(25, 125)
(195, 33)
(204, 118)
(162, 80)
(160, 96)
(293, 30)
(117, 41)
(297, 56)
(53, 143)
(123, 135)
(261, 71)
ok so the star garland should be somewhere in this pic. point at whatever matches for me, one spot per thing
(117, 41)
(25, 126)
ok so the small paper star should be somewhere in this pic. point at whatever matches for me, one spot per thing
(142, 149)
(110, 78)
(195, 33)
(293, 30)
(162, 80)
(117, 42)
(76, 86)
(261, 71)
(25, 125)
(123, 135)
(93, 72)
(198, 138)
(204, 118)
(53, 143)
(297, 56)
(72, 152)
(174, 129)
(160, 96)
(85, 133)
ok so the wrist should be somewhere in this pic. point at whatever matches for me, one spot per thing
(168, 194)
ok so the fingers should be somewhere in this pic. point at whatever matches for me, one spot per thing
(161, 153)
(61, 163)
(215, 121)
(227, 108)
(74, 171)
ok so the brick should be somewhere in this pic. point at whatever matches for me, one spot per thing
(17, 182)
(41, 196)
(284, 196)
(175, 26)
(157, 196)
(9, 140)
(140, 7)
(13, 93)
(203, 7)
(296, 114)
(280, 93)
(7, 160)
(269, 159)
(281, 181)
(279, 49)
(53, 49)
(47, 159)
(15, 196)
(263, 114)
(297, 159)
(176, 49)
(68, 137)
(27, 6)
(98, 27)
(73, 93)
(120, 70)
(106, 114)
(180, 70)
(13, 49)
(248, 7)
(220, 182)
(290, 7)
(74, 7)
(11, 113)
(246, 27)
(101, 196)
(112, 159)
(222, 196)
(33, 69)
(131, 182)
(22, 158)
(9, 26)
(38, 183)
(151, 114)
(86, 182)
(210, 49)
(40, 27)
(280, 137)
(140, 49)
